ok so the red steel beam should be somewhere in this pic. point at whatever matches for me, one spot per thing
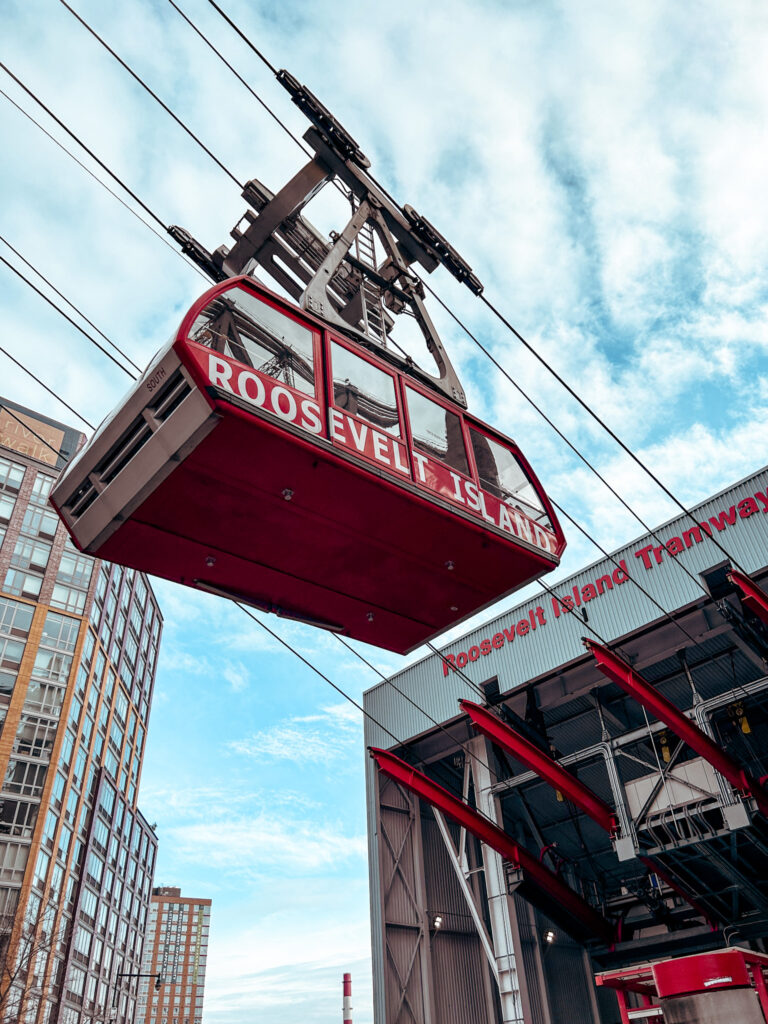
(559, 778)
(536, 874)
(753, 597)
(611, 665)
(544, 766)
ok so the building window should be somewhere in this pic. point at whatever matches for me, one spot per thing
(22, 584)
(39, 522)
(60, 632)
(11, 475)
(17, 818)
(69, 599)
(34, 737)
(31, 554)
(24, 778)
(41, 869)
(41, 489)
(13, 860)
(11, 653)
(75, 569)
(15, 617)
(7, 505)
(52, 666)
(45, 697)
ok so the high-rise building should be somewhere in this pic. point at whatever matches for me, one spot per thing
(175, 953)
(78, 651)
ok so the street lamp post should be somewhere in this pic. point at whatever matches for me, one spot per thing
(134, 974)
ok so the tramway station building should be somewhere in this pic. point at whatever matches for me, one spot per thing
(654, 841)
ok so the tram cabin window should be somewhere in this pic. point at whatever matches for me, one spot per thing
(363, 390)
(243, 327)
(437, 431)
(501, 475)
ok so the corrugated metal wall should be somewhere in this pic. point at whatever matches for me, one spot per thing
(459, 966)
(406, 953)
(616, 612)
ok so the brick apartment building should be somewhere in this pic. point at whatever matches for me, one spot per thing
(79, 642)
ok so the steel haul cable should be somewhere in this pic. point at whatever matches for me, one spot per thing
(309, 664)
(153, 94)
(500, 316)
(535, 406)
(95, 177)
(651, 532)
(70, 304)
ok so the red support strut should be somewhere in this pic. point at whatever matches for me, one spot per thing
(611, 665)
(555, 891)
(545, 767)
(752, 596)
(559, 778)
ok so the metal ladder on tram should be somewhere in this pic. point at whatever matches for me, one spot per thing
(370, 293)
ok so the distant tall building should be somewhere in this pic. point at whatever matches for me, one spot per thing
(176, 951)
(78, 651)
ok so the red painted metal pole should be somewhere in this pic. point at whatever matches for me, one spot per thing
(753, 597)
(622, 1001)
(611, 665)
(551, 772)
(545, 766)
(535, 873)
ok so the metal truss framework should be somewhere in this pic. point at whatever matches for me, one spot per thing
(342, 280)
(406, 933)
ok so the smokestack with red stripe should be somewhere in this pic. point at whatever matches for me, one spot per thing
(347, 999)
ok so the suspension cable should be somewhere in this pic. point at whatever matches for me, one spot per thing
(153, 94)
(66, 316)
(61, 295)
(50, 391)
(96, 178)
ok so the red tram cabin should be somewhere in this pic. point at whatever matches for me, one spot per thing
(268, 459)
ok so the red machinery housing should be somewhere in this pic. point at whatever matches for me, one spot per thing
(266, 458)
(726, 986)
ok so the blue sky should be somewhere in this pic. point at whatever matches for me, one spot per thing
(601, 166)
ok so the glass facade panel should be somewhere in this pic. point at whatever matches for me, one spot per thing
(245, 328)
(436, 431)
(500, 473)
(363, 390)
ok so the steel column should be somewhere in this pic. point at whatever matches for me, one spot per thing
(513, 985)
(612, 666)
(540, 878)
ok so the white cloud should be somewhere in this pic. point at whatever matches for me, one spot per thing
(251, 846)
(332, 734)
